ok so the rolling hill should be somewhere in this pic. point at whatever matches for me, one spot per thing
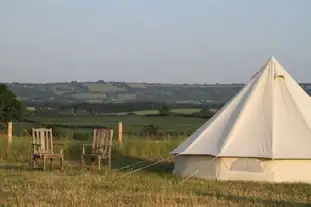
(120, 92)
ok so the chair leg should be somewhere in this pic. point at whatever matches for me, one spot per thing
(44, 163)
(109, 160)
(62, 162)
(109, 163)
(51, 161)
(93, 163)
(34, 162)
(99, 162)
(82, 162)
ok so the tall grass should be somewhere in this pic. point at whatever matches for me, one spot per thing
(21, 148)
(155, 185)
(18, 152)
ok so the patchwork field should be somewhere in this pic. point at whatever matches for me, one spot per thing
(147, 180)
(98, 87)
(120, 92)
(90, 95)
(146, 112)
(130, 123)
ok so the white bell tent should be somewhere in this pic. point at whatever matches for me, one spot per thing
(261, 134)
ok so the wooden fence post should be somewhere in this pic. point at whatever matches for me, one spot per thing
(9, 134)
(120, 132)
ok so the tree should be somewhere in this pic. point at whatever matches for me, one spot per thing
(75, 109)
(11, 109)
(164, 110)
(90, 110)
(205, 112)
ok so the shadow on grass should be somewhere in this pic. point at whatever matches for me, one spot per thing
(120, 159)
(22, 167)
(122, 162)
(25, 166)
(255, 200)
(129, 163)
(13, 166)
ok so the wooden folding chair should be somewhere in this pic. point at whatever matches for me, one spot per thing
(101, 148)
(43, 147)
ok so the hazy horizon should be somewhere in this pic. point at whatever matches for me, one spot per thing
(202, 42)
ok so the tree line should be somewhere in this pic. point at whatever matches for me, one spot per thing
(11, 109)
(54, 108)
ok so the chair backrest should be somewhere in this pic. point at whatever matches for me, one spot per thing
(43, 137)
(102, 140)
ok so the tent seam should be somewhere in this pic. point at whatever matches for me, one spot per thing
(296, 106)
(252, 89)
(211, 121)
(272, 117)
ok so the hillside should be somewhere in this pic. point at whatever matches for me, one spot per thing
(119, 92)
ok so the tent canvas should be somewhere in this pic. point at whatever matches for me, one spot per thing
(262, 133)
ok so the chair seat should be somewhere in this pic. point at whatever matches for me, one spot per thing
(96, 155)
(46, 155)
(42, 147)
(101, 147)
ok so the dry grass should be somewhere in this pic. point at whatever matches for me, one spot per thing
(21, 186)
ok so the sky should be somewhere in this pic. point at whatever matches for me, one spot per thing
(176, 41)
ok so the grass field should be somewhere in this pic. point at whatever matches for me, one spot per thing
(103, 88)
(130, 123)
(146, 112)
(127, 96)
(137, 85)
(90, 95)
(154, 185)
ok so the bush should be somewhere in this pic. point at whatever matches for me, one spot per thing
(164, 110)
(204, 113)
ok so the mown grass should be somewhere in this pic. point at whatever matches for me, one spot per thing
(154, 185)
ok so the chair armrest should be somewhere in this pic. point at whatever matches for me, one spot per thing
(58, 144)
(35, 148)
(83, 147)
(61, 147)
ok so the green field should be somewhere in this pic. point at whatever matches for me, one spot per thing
(146, 112)
(130, 123)
(103, 88)
(90, 96)
(137, 85)
(150, 186)
(126, 96)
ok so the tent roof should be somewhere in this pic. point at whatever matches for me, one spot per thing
(269, 118)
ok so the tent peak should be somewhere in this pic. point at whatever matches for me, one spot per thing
(269, 117)
(273, 59)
